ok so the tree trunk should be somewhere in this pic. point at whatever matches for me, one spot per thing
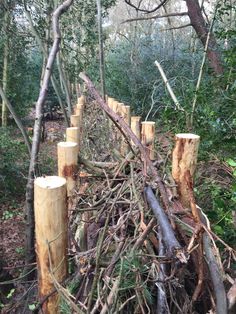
(199, 25)
(45, 55)
(29, 246)
(101, 52)
(64, 83)
(5, 63)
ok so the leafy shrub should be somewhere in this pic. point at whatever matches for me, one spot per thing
(13, 163)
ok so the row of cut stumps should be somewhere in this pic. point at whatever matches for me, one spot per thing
(53, 194)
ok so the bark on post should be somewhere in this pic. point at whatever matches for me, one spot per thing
(72, 135)
(136, 126)
(125, 113)
(51, 224)
(184, 162)
(148, 137)
(67, 153)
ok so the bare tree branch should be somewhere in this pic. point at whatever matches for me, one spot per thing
(143, 10)
(177, 27)
(158, 16)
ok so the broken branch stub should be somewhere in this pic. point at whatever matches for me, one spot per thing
(172, 245)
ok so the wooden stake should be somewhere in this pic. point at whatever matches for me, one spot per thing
(75, 120)
(125, 113)
(148, 137)
(67, 153)
(81, 100)
(114, 106)
(184, 161)
(51, 225)
(110, 101)
(136, 126)
(79, 112)
(72, 135)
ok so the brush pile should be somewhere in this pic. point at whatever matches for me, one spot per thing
(134, 247)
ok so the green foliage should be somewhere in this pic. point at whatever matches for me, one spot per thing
(13, 163)
(218, 200)
(133, 274)
(23, 72)
(7, 215)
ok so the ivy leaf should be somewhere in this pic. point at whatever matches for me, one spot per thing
(231, 162)
(32, 307)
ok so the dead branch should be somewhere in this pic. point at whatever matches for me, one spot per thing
(172, 245)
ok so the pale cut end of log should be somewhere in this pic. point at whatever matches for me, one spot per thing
(72, 135)
(51, 225)
(67, 153)
(184, 161)
(148, 137)
(136, 126)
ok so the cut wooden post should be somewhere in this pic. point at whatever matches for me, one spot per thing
(75, 120)
(114, 106)
(125, 113)
(72, 135)
(148, 137)
(81, 100)
(136, 126)
(51, 225)
(184, 160)
(110, 101)
(67, 153)
(79, 112)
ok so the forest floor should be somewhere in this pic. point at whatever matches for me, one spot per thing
(98, 145)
